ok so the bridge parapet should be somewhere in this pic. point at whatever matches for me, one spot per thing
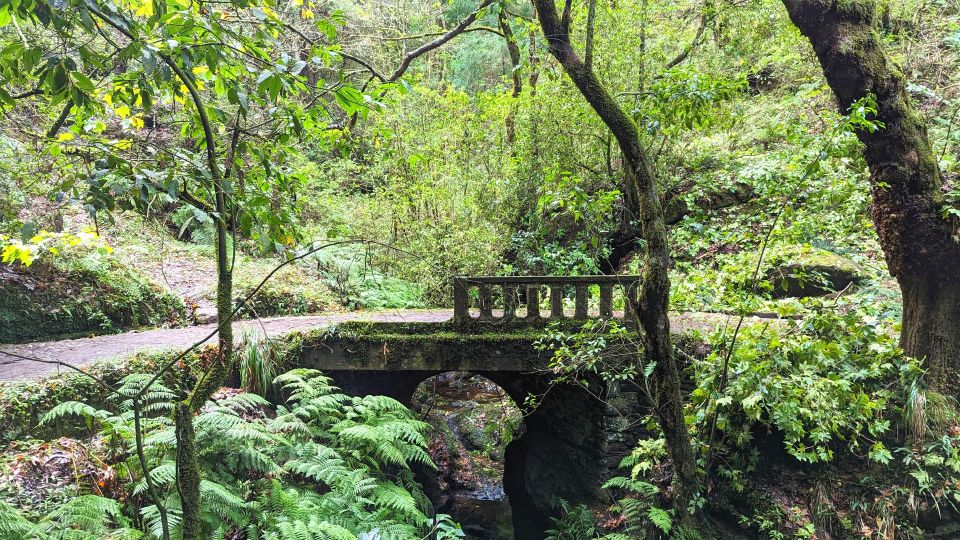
(526, 290)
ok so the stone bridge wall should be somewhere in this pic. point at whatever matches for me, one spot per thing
(573, 441)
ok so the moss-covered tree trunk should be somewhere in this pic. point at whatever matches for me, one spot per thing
(188, 471)
(514, 51)
(655, 289)
(918, 242)
(188, 467)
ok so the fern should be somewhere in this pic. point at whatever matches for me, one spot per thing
(635, 486)
(13, 525)
(399, 500)
(661, 518)
(316, 470)
(73, 408)
(86, 517)
(162, 475)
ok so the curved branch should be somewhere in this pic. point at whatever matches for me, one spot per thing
(431, 45)
(682, 55)
(431, 34)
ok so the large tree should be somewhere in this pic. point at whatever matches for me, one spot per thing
(919, 242)
(642, 195)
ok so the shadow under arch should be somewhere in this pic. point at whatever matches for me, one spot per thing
(560, 455)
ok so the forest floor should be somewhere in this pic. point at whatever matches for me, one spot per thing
(79, 352)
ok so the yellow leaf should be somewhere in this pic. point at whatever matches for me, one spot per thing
(122, 111)
(200, 70)
(137, 122)
(65, 136)
(146, 9)
(306, 13)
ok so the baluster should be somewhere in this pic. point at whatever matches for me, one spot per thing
(461, 299)
(606, 301)
(509, 302)
(556, 301)
(533, 301)
(581, 302)
(486, 302)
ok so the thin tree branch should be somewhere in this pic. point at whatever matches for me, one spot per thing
(444, 38)
(591, 22)
(147, 475)
(680, 57)
(432, 34)
(92, 377)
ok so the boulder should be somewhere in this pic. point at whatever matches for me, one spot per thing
(812, 273)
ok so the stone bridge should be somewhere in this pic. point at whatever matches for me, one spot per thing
(572, 439)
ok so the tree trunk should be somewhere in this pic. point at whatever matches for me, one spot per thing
(188, 471)
(931, 328)
(918, 242)
(514, 50)
(624, 242)
(188, 468)
(655, 288)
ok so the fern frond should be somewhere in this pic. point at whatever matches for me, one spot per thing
(219, 499)
(394, 497)
(244, 402)
(13, 524)
(162, 475)
(634, 486)
(73, 408)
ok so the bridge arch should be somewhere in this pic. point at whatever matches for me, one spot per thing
(572, 439)
(559, 455)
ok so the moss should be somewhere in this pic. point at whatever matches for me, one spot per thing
(81, 297)
(799, 271)
(188, 472)
(488, 330)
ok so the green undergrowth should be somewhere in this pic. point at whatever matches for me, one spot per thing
(23, 403)
(323, 465)
(819, 427)
(147, 243)
(90, 294)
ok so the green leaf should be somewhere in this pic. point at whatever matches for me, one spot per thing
(82, 81)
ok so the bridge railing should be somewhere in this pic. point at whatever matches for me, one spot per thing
(527, 290)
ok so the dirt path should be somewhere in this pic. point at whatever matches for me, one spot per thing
(82, 351)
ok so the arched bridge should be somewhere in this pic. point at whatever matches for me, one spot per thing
(572, 438)
(575, 435)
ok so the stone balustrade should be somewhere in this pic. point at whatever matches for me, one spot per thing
(498, 299)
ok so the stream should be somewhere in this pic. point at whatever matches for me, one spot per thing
(473, 420)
